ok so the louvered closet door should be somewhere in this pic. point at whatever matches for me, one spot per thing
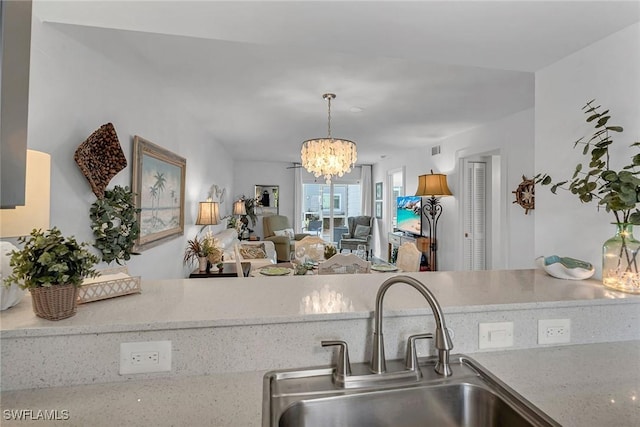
(475, 215)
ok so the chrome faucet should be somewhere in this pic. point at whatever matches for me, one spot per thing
(443, 342)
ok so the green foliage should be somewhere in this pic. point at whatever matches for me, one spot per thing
(198, 248)
(616, 191)
(115, 225)
(329, 251)
(49, 259)
(250, 207)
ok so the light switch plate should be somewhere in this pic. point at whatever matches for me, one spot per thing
(495, 335)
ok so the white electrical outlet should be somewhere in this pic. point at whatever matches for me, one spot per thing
(554, 331)
(145, 357)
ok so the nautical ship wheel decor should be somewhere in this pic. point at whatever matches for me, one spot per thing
(525, 194)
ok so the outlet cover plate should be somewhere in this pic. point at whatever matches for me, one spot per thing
(145, 357)
(554, 331)
(495, 335)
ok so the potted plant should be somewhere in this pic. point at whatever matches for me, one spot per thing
(215, 254)
(250, 207)
(52, 267)
(329, 251)
(197, 250)
(618, 191)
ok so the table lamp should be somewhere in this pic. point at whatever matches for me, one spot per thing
(23, 219)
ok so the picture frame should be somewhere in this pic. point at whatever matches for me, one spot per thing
(378, 190)
(267, 199)
(379, 209)
(158, 183)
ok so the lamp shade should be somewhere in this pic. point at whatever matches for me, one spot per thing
(433, 184)
(35, 213)
(208, 213)
(239, 208)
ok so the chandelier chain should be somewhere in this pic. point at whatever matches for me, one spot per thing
(329, 121)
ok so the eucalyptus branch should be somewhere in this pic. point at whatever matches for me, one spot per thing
(115, 225)
(616, 191)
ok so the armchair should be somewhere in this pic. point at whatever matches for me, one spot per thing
(360, 229)
(278, 230)
(315, 226)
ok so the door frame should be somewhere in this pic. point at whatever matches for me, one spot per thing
(498, 228)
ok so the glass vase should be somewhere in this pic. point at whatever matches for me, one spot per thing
(620, 261)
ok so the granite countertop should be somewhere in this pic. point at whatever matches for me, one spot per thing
(588, 385)
(190, 303)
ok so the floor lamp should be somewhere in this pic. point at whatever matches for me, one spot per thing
(433, 186)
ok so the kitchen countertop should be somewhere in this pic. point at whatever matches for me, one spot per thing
(578, 385)
(176, 304)
(588, 385)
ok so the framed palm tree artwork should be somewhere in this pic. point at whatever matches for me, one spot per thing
(158, 183)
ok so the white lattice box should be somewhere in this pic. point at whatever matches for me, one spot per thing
(111, 283)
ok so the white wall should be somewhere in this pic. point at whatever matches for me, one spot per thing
(512, 138)
(73, 91)
(609, 71)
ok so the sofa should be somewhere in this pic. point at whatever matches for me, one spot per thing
(227, 240)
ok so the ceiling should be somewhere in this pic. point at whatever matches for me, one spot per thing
(406, 74)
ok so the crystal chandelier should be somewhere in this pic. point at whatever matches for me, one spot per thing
(328, 156)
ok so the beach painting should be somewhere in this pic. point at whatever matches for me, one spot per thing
(158, 181)
(409, 214)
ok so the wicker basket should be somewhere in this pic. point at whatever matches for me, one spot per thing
(109, 288)
(55, 302)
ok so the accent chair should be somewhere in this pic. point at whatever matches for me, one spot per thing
(277, 229)
(311, 247)
(315, 226)
(359, 233)
(344, 264)
(408, 257)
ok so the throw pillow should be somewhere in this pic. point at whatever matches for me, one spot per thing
(361, 232)
(286, 232)
(253, 251)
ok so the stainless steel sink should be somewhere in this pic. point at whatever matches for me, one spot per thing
(471, 396)
(442, 391)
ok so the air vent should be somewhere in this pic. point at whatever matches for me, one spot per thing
(435, 150)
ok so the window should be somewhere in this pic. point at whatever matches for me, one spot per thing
(332, 204)
(326, 201)
(395, 179)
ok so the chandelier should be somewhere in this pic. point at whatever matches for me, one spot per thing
(328, 156)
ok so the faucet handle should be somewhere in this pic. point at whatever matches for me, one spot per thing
(343, 367)
(411, 358)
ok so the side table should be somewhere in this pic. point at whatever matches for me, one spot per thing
(228, 270)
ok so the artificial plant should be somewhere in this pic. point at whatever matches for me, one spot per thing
(618, 191)
(50, 259)
(115, 225)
